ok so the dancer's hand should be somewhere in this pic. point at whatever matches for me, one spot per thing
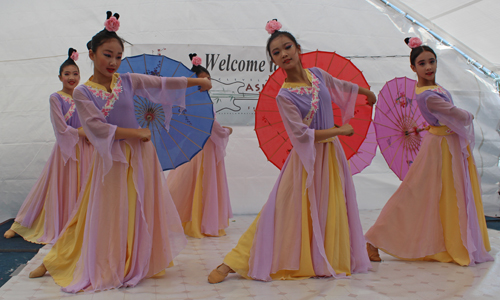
(346, 130)
(371, 99)
(230, 129)
(205, 84)
(144, 134)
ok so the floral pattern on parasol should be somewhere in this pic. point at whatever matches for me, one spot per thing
(399, 124)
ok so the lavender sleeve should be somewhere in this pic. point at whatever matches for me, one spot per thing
(301, 136)
(66, 136)
(343, 94)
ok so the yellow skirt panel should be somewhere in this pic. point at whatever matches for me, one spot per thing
(193, 228)
(337, 239)
(62, 259)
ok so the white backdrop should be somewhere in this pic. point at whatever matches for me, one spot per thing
(37, 34)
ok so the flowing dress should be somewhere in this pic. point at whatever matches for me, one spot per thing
(310, 224)
(125, 227)
(199, 188)
(437, 212)
(50, 202)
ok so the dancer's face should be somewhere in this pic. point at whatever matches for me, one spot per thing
(425, 67)
(107, 58)
(284, 52)
(70, 77)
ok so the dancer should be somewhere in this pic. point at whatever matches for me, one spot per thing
(310, 224)
(199, 187)
(125, 227)
(437, 213)
(51, 201)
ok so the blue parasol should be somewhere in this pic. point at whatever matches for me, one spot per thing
(189, 129)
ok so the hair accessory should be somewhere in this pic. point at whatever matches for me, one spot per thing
(73, 54)
(273, 26)
(112, 24)
(196, 60)
(414, 42)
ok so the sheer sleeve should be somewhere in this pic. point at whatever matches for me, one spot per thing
(301, 136)
(343, 94)
(220, 137)
(167, 91)
(457, 119)
(66, 136)
(100, 133)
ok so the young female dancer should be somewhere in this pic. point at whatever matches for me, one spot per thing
(310, 224)
(437, 213)
(199, 187)
(51, 201)
(125, 227)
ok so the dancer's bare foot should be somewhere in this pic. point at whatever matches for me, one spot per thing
(38, 272)
(372, 252)
(219, 274)
(9, 234)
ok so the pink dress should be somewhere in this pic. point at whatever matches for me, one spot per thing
(51, 201)
(310, 224)
(125, 227)
(199, 188)
(437, 213)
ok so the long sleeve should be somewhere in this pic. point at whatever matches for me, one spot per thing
(458, 120)
(100, 133)
(167, 91)
(301, 136)
(220, 137)
(343, 94)
(66, 136)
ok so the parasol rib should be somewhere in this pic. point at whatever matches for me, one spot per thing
(190, 126)
(172, 126)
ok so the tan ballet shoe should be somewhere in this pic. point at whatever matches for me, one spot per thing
(219, 274)
(9, 234)
(372, 252)
(38, 272)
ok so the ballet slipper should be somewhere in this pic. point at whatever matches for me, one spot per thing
(9, 234)
(219, 274)
(38, 272)
(372, 252)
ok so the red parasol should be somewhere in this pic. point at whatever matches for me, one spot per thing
(399, 124)
(273, 139)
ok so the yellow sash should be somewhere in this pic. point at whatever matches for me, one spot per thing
(440, 130)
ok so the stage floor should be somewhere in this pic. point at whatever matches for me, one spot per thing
(390, 279)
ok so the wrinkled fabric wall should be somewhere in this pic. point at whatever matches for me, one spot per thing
(37, 34)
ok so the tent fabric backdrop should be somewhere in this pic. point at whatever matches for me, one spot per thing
(37, 34)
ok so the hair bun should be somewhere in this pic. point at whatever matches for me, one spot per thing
(413, 42)
(112, 24)
(73, 54)
(195, 59)
(273, 26)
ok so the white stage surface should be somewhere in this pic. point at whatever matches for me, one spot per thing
(390, 279)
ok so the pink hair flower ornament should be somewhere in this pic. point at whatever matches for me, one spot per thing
(112, 24)
(74, 56)
(273, 26)
(196, 61)
(414, 42)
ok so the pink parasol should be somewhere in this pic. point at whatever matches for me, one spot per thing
(366, 152)
(399, 125)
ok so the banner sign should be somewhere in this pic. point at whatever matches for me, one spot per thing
(238, 75)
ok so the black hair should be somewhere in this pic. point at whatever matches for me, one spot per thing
(104, 35)
(276, 34)
(415, 52)
(198, 69)
(69, 61)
